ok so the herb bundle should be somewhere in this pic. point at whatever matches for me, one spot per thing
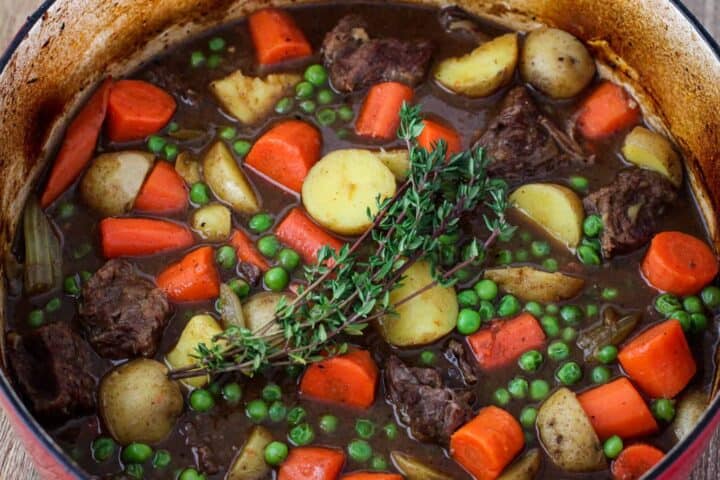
(345, 290)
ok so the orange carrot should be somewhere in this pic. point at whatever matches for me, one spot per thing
(286, 153)
(137, 109)
(634, 461)
(679, 263)
(659, 360)
(312, 463)
(134, 237)
(246, 250)
(164, 191)
(488, 443)
(348, 380)
(78, 146)
(276, 37)
(300, 233)
(192, 279)
(371, 476)
(433, 132)
(380, 114)
(606, 111)
(616, 408)
(504, 341)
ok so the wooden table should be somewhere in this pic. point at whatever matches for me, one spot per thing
(14, 463)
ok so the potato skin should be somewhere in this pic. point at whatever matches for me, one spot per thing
(138, 403)
(529, 284)
(524, 468)
(212, 222)
(690, 408)
(414, 469)
(556, 63)
(227, 180)
(199, 329)
(260, 309)
(250, 461)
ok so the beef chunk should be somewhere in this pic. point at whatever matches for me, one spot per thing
(123, 313)
(629, 207)
(356, 61)
(50, 366)
(432, 410)
(522, 143)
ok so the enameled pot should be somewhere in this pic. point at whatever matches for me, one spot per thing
(654, 47)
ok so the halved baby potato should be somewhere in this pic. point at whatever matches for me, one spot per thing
(647, 149)
(212, 222)
(227, 180)
(188, 168)
(482, 71)
(557, 209)
(342, 186)
(199, 329)
(532, 285)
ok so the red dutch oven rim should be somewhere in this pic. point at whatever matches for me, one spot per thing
(49, 457)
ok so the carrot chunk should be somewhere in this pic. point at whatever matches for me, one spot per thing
(286, 153)
(679, 263)
(659, 360)
(616, 408)
(488, 443)
(433, 132)
(276, 37)
(246, 251)
(300, 233)
(371, 476)
(134, 237)
(164, 191)
(137, 109)
(380, 114)
(635, 461)
(606, 111)
(504, 341)
(78, 146)
(348, 380)
(312, 463)
(192, 279)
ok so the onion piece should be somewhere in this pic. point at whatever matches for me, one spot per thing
(43, 256)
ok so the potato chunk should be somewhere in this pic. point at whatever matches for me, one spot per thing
(212, 222)
(567, 434)
(414, 469)
(227, 180)
(557, 209)
(650, 150)
(398, 161)
(526, 468)
(342, 186)
(529, 284)
(250, 462)
(250, 99)
(200, 329)
(424, 319)
(482, 71)
(188, 168)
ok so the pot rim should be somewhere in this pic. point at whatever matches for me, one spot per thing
(51, 447)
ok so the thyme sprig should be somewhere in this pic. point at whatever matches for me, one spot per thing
(346, 290)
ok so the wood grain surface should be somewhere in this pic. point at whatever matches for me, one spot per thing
(15, 464)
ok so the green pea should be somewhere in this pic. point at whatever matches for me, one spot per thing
(539, 390)
(693, 304)
(201, 400)
(613, 446)
(428, 357)
(558, 351)
(269, 246)
(486, 289)
(528, 415)
(534, 308)
(214, 60)
(326, 117)
(343, 133)
(134, 470)
(525, 237)
(391, 431)
(607, 354)
(240, 287)
(551, 265)
(502, 397)
(569, 373)
(173, 127)
(304, 90)
(276, 279)
(359, 450)
(468, 299)
(232, 393)
(468, 321)
(36, 318)
(190, 474)
(711, 297)
(365, 428)
(71, 285)
(307, 106)
(593, 243)
(504, 257)
(591, 310)
(530, 361)
(199, 194)
(260, 223)
(579, 183)
(228, 133)
(136, 453)
(296, 415)
(571, 314)
(552, 309)
(569, 334)
(378, 463)
(522, 255)
(698, 322)
(161, 459)
(593, 225)
(666, 304)
(197, 59)
(509, 305)
(66, 210)
(346, 113)
(550, 325)
(329, 423)
(82, 251)
(257, 411)
(588, 255)
(540, 248)
(294, 370)
(170, 152)
(215, 389)
(271, 393)
(610, 294)
(156, 143)
(275, 453)
(316, 74)
(102, 448)
(216, 44)
(226, 257)
(242, 147)
(600, 374)
(684, 318)
(301, 435)
(325, 96)
(284, 105)
(289, 259)
(277, 411)
(663, 409)
(518, 387)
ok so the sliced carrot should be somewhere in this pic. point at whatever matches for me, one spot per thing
(608, 110)
(348, 380)
(659, 360)
(433, 132)
(304, 236)
(635, 461)
(276, 37)
(137, 109)
(312, 463)
(380, 114)
(679, 263)
(78, 145)
(193, 279)
(371, 476)
(488, 443)
(246, 250)
(286, 153)
(135, 237)
(164, 191)
(504, 341)
(617, 408)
